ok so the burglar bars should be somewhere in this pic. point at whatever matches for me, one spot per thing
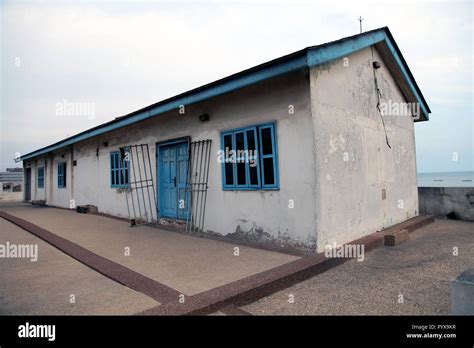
(197, 185)
(141, 204)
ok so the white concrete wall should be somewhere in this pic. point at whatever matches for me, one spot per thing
(39, 193)
(61, 196)
(333, 160)
(50, 193)
(262, 214)
(353, 162)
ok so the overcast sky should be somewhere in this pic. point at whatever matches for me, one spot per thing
(124, 55)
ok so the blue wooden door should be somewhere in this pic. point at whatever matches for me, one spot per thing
(181, 175)
(173, 166)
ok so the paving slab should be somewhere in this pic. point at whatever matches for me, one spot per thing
(185, 263)
(412, 278)
(44, 287)
(110, 269)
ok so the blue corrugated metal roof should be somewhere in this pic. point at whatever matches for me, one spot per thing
(308, 57)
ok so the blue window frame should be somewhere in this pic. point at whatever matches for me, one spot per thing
(40, 177)
(62, 174)
(250, 158)
(119, 170)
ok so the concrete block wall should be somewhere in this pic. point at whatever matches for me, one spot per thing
(441, 201)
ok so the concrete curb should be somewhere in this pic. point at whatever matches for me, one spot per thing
(108, 268)
(234, 311)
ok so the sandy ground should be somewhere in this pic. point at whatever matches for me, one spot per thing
(420, 270)
(45, 287)
(185, 263)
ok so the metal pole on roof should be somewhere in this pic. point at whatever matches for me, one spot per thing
(360, 23)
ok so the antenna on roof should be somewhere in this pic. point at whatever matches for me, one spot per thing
(360, 23)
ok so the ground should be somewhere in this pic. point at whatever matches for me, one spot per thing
(412, 278)
(46, 286)
(420, 270)
(11, 196)
(185, 263)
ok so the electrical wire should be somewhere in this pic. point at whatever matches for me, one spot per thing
(379, 95)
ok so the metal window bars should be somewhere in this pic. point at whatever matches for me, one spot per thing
(197, 185)
(141, 204)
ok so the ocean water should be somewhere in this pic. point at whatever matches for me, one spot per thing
(450, 179)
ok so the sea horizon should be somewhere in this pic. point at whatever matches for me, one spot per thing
(446, 179)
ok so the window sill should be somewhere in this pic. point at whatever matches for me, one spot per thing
(250, 189)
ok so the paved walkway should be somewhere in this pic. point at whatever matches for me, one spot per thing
(412, 278)
(187, 264)
(420, 270)
(110, 269)
(45, 286)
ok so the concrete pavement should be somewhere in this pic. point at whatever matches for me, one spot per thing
(410, 279)
(45, 287)
(185, 263)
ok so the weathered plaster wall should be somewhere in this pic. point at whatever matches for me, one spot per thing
(353, 162)
(38, 193)
(264, 216)
(61, 196)
(334, 163)
(51, 192)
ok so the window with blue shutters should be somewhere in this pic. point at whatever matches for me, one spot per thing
(119, 170)
(62, 174)
(40, 182)
(250, 158)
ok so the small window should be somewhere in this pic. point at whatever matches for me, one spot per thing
(40, 177)
(62, 174)
(250, 158)
(119, 170)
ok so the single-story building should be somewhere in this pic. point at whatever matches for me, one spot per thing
(313, 148)
(11, 180)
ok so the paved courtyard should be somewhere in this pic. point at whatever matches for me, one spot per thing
(45, 286)
(187, 264)
(409, 279)
(420, 270)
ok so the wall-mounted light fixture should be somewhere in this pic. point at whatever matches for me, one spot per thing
(204, 118)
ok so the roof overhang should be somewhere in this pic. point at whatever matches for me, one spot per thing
(306, 58)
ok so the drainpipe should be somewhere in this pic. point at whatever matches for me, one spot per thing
(71, 184)
(51, 179)
(34, 175)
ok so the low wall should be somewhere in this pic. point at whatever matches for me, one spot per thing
(458, 202)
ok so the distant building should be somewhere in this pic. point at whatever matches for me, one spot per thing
(11, 180)
(309, 149)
